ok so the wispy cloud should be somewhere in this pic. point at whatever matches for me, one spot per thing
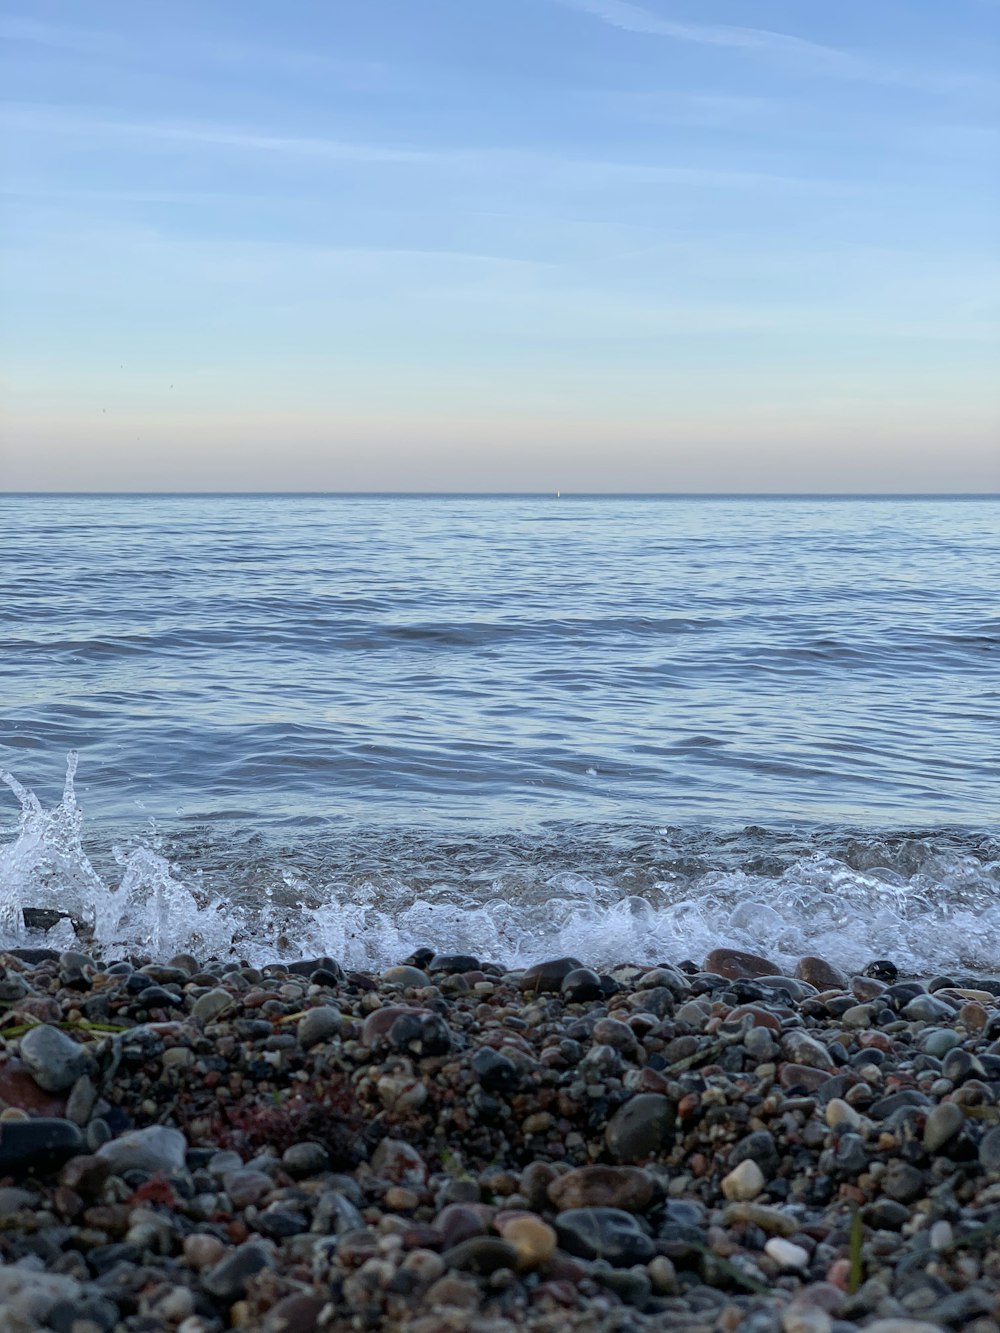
(806, 56)
(542, 169)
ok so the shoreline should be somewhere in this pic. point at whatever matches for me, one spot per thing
(446, 1146)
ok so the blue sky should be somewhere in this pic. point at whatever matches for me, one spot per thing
(501, 244)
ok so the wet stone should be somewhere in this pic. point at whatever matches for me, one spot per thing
(734, 964)
(604, 1233)
(453, 962)
(581, 985)
(208, 1007)
(821, 974)
(548, 976)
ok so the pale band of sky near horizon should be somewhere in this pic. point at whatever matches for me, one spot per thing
(515, 245)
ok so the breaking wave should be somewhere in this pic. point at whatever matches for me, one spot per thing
(929, 908)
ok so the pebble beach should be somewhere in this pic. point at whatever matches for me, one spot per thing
(445, 1145)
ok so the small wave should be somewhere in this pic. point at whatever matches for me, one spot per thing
(928, 908)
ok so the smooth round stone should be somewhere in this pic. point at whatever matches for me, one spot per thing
(841, 1115)
(548, 976)
(802, 1049)
(581, 985)
(786, 1254)
(408, 977)
(495, 1071)
(758, 1147)
(943, 1122)
(937, 1042)
(209, 1006)
(245, 1186)
(43, 1142)
(744, 1182)
(203, 1250)
(534, 1240)
(903, 1182)
(902, 1326)
(626, 1187)
(859, 1016)
(604, 1233)
(453, 962)
(927, 1009)
(771, 1220)
(989, 1152)
(640, 1127)
(54, 1060)
(821, 974)
(481, 1254)
(318, 1025)
(228, 1279)
(736, 965)
(157, 1148)
(305, 1159)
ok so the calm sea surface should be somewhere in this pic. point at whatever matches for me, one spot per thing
(621, 726)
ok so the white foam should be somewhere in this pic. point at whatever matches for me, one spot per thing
(944, 914)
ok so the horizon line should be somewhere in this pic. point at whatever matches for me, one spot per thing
(532, 494)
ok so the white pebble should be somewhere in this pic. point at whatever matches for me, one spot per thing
(786, 1254)
(744, 1182)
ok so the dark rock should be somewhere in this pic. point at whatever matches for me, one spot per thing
(758, 1147)
(495, 1072)
(989, 1152)
(887, 1106)
(228, 1279)
(625, 1187)
(452, 962)
(734, 964)
(420, 1034)
(305, 967)
(821, 974)
(295, 1314)
(885, 1215)
(882, 970)
(481, 1254)
(641, 1127)
(548, 976)
(581, 985)
(37, 1145)
(903, 1182)
(604, 1233)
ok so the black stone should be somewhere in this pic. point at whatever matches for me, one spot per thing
(581, 985)
(37, 1145)
(881, 970)
(758, 1147)
(450, 962)
(604, 1233)
(495, 1072)
(305, 967)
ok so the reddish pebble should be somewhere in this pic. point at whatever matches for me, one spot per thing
(735, 965)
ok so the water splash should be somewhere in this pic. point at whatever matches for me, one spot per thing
(929, 910)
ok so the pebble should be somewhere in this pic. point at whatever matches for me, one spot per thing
(54, 1060)
(603, 1186)
(640, 1127)
(787, 1255)
(744, 1182)
(157, 1148)
(604, 1233)
(943, 1122)
(637, 1148)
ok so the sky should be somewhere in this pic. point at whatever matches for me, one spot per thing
(517, 245)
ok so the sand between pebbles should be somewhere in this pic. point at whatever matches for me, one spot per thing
(446, 1146)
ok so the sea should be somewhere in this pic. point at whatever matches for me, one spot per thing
(625, 728)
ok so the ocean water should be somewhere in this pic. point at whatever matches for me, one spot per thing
(621, 727)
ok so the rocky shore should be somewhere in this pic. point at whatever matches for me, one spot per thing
(447, 1146)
